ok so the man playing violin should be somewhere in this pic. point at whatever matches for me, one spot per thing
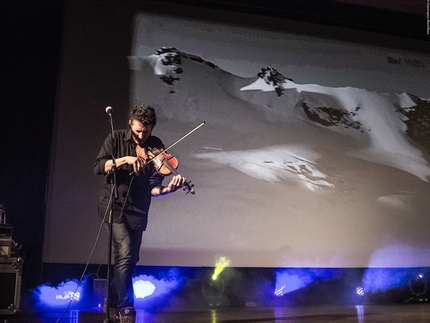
(137, 180)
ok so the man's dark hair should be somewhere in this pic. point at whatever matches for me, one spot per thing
(144, 113)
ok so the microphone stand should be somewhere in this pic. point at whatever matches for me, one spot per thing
(114, 192)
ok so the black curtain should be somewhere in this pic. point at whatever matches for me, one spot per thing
(31, 34)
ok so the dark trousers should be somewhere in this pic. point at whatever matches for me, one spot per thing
(125, 253)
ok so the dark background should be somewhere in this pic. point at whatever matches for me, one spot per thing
(31, 48)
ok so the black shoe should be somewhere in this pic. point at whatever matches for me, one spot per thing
(127, 315)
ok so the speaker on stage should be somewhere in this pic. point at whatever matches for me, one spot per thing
(10, 269)
(10, 282)
(5, 234)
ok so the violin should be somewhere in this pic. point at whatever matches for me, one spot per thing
(165, 164)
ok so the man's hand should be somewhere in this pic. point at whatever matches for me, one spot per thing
(176, 182)
(137, 162)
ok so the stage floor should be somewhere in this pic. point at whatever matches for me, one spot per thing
(405, 313)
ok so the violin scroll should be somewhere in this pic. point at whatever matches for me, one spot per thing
(189, 188)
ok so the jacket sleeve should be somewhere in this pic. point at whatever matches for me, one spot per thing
(104, 155)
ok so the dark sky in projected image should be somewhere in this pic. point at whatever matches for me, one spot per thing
(308, 167)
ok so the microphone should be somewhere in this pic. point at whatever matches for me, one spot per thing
(109, 110)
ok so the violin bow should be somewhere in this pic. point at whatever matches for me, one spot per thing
(180, 139)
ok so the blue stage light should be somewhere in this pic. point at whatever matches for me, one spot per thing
(143, 288)
(360, 291)
(65, 294)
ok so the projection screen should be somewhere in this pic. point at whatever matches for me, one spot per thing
(314, 152)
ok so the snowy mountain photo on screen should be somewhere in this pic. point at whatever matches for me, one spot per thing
(388, 129)
(287, 171)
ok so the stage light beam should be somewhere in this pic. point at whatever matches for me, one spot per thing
(220, 264)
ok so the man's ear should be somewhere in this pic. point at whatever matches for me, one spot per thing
(129, 122)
